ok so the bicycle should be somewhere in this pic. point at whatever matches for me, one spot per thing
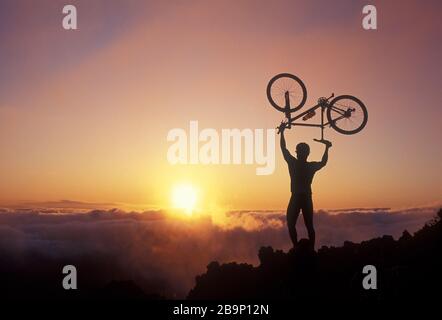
(287, 93)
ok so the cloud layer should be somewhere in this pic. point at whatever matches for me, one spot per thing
(163, 252)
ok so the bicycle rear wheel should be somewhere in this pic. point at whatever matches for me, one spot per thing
(284, 89)
(347, 114)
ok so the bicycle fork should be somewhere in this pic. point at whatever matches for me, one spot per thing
(288, 115)
(322, 122)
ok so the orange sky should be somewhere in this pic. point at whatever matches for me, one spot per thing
(84, 114)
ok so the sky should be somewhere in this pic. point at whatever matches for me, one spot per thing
(84, 114)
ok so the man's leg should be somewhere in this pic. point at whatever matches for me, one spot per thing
(293, 210)
(307, 213)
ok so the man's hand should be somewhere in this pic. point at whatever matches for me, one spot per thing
(281, 127)
(327, 143)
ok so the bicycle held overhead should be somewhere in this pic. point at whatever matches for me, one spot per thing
(345, 113)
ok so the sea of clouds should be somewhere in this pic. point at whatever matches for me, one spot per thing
(163, 252)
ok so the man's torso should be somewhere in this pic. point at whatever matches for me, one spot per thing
(301, 175)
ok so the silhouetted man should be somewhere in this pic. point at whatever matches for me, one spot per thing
(301, 175)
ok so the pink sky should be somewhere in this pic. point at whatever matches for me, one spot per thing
(84, 114)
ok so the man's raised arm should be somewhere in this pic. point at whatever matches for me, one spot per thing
(284, 150)
(324, 159)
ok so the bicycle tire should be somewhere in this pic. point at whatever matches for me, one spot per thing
(292, 77)
(333, 123)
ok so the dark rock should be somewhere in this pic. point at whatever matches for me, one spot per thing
(407, 270)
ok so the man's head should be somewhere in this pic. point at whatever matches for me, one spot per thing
(302, 150)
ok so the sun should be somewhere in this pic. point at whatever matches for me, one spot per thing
(184, 196)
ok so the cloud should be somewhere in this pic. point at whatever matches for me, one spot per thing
(163, 252)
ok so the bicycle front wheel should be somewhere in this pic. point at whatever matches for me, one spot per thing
(347, 114)
(285, 89)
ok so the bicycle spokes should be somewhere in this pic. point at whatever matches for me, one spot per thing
(286, 92)
(347, 114)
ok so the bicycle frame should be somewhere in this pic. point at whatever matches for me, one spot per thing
(322, 104)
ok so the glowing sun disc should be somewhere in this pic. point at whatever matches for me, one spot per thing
(184, 196)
